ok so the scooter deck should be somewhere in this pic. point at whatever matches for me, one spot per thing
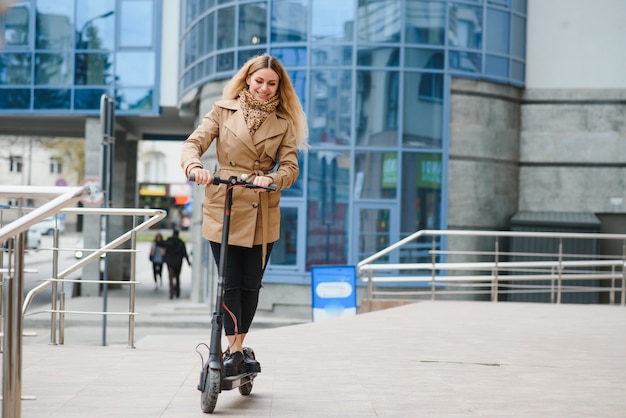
(232, 382)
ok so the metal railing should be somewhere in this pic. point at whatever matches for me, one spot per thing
(494, 273)
(12, 281)
(153, 216)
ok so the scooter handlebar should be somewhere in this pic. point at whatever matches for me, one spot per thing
(233, 181)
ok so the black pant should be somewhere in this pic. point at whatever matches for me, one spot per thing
(157, 270)
(244, 273)
(174, 276)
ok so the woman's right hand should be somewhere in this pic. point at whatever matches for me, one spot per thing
(201, 175)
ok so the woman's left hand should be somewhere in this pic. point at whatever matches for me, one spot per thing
(262, 181)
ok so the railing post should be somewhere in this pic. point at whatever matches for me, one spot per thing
(132, 291)
(55, 287)
(494, 285)
(559, 283)
(433, 259)
(13, 327)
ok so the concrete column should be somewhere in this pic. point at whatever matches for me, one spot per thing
(91, 230)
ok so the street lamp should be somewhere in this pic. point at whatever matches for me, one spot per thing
(81, 34)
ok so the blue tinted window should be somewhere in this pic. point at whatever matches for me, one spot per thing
(377, 111)
(423, 110)
(289, 20)
(95, 24)
(225, 62)
(331, 107)
(465, 61)
(331, 55)
(332, 20)
(55, 24)
(498, 27)
(14, 98)
(518, 35)
(136, 23)
(252, 24)
(496, 66)
(378, 56)
(298, 79)
(93, 68)
(465, 26)
(52, 99)
(17, 25)
(425, 22)
(15, 68)
(53, 69)
(379, 20)
(245, 55)
(88, 99)
(424, 58)
(135, 68)
(226, 28)
(134, 99)
(291, 57)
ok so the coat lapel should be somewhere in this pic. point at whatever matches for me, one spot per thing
(237, 124)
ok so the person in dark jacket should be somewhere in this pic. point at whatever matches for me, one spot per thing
(175, 252)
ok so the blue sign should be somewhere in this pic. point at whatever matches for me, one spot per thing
(334, 291)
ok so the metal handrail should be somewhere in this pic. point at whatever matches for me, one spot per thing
(155, 216)
(554, 270)
(13, 284)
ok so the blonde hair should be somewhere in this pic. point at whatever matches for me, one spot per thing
(289, 105)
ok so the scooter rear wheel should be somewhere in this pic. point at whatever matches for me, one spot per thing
(208, 399)
(246, 389)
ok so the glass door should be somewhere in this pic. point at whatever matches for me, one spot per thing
(375, 227)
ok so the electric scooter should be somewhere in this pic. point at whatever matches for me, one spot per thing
(213, 380)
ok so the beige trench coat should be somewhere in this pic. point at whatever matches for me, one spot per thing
(255, 217)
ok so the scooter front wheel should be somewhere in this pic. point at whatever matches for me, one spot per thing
(208, 399)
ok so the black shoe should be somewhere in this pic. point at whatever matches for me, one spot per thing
(233, 364)
(249, 361)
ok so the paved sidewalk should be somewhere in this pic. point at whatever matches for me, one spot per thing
(429, 359)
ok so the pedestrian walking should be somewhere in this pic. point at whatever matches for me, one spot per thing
(156, 257)
(175, 252)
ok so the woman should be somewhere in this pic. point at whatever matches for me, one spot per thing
(156, 257)
(258, 127)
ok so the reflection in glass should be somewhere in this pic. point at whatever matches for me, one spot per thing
(226, 28)
(134, 99)
(332, 20)
(378, 57)
(374, 233)
(518, 36)
(331, 107)
(425, 22)
(53, 69)
(498, 35)
(52, 99)
(298, 79)
(465, 61)
(92, 69)
(246, 54)
(252, 24)
(465, 29)
(225, 62)
(424, 58)
(135, 68)
(95, 24)
(290, 57)
(331, 55)
(55, 24)
(377, 108)
(289, 20)
(88, 99)
(376, 175)
(328, 203)
(296, 190)
(420, 201)
(497, 66)
(17, 25)
(379, 20)
(423, 110)
(285, 250)
(15, 68)
(136, 19)
(14, 98)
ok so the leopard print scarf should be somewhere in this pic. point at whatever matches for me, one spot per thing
(254, 111)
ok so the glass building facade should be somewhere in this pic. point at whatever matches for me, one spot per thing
(374, 79)
(60, 56)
